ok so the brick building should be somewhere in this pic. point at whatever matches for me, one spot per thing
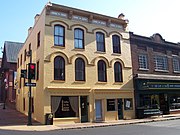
(156, 71)
(8, 72)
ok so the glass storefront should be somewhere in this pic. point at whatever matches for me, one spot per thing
(149, 101)
(174, 102)
(65, 106)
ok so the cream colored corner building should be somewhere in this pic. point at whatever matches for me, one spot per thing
(85, 98)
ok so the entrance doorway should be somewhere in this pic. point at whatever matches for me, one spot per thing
(164, 105)
(120, 109)
(98, 105)
(84, 109)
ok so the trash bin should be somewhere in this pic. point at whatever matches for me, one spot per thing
(49, 119)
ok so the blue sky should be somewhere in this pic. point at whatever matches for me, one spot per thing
(146, 17)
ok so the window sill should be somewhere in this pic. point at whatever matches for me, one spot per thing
(100, 52)
(116, 54)
(118, 83)
(143, 69)
(80, 82)
(177, 72)
(112, 111)
(57, 81)
(165, 71)
(101, 82)
(78, 49)
(58, 47)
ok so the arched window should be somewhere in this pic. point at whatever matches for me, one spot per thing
(59, 68)
(102, 71)
(116, 44)
(100, 41)
(59, 35)
(78, 38)
(79, 69)
(118, 72)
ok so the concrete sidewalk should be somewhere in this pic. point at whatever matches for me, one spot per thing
(87, 125)
(13, 120)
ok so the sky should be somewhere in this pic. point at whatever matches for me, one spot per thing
(146, 17)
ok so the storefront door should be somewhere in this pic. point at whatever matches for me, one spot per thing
(84, 109)
(164, 105)
(98, 105)
(120, 109)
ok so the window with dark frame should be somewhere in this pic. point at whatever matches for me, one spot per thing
(24, 104)
(116, 44)
(38, 39)
(37, 71)
(79, 69)
(20, 83)
(176, 64)
(102, 76)
(21, 60)
(59, 35)
(29, 46)
(59, 68)
(161, 63)
(143, 61)
(78, 38)
(18, 63)
(100, 41)
(111, 105)
(118, 72)
(25, 55)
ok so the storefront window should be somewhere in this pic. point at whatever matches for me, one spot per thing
(110, 104)
(149, 101)
(174, 102)
(65, 106)
(128, 104)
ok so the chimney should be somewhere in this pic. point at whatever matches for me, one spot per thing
(29, 30)
(121, 16)
(36, 18)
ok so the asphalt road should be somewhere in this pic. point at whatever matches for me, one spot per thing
(171, 127)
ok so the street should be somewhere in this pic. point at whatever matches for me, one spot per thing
(170, 127)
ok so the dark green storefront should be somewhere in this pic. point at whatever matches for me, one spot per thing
(157, 94)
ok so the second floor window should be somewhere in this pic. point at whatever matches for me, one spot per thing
(78, 38)
(59, 35)
(79, 70)
(100, 42)
(59, 68)
(176, 64)
(143, 63)
(116, 44)
(118, 72)
(161, 63)
(37, 71)
(38, 39)
(102, 76)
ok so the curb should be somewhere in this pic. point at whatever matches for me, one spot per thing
(58, 127)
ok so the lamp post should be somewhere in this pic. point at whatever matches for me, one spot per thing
(29, 94)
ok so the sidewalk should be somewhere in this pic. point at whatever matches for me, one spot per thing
(13, 123)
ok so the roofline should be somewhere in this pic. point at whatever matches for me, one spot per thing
(53, 5)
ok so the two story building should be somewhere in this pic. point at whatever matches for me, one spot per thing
(83, 64)
(8, 72)
(156, 71)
